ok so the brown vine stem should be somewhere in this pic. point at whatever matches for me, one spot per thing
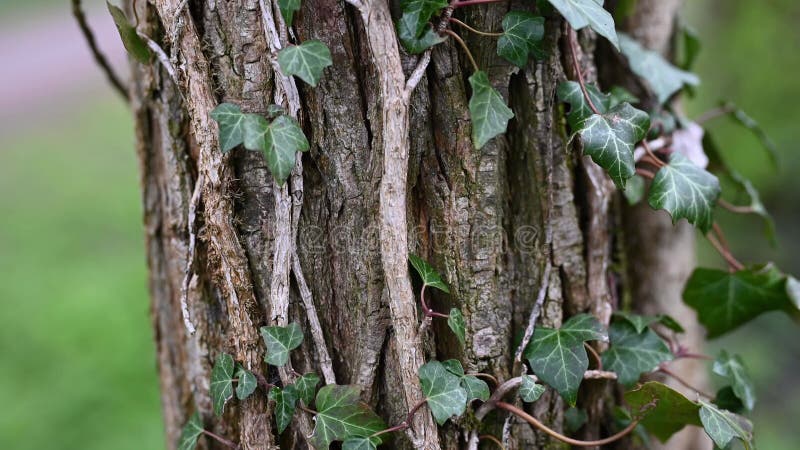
(486, 376)
(733, 264)
(405, 423)
(476, 31)
(455, 36)
(595, 355)
(656, 161)
(572, 39)
(735, 208)
(714, 113)
(663, 369)
(542, 427)
(645, 173)
(221, 440)
(489, 437)
(99, 57)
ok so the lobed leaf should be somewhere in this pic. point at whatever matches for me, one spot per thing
(686, 192)
(530, 390)
(285, 405)
(583, 13)
(663, 78)
(487, 109)
(221, 388)
(456, 323)
(341, 416)
(443, 391)
(359, 443)
(672, 410)
(246, 385)
(475, 388)
(415, 42)
(191, 432)
(570, 92)
(280, 341)
(522, 32)
(428, 274)
(633, 353)
(306, 386)
(231, 125)
(306, 61)
(724, 426)
(279, 140)
(732, 368)
(288, 8)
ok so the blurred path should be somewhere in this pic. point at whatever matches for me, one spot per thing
(46, 65)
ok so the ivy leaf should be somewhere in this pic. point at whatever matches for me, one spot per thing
(557, 356)
(724, 426)
(306, 386)
(487, 109)
(306, 61)
(672, 410)
(570, 92)
(475, 388)
(456, 323)
(582, 13)
(221, 388)
(247, 383)
(530, 390)
(341, 416)
(231, 125)
(634, 190)
(726, 399)
(416, 43)
(285, 405)
(724, 300)
(288, 7)
(280, 341)
(359, 443)
(574, 419)
(733, 369)
(522, 32)
(690, 46)
(428, 274)
(134, 44)
(418, 13)
(619, 95)
(671, 323)
(454, 366)
(640, 323)
(279, 140)
(632, 354)
(191, 432)
(663, 78)
(609, 139)
(686, 192)
(442, 389)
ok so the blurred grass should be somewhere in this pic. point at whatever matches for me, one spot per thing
(77, 368)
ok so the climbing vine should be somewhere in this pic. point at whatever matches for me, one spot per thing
(657, 156)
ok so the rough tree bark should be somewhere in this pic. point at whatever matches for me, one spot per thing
(491, 220)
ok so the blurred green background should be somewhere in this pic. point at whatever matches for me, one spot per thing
(77, 366)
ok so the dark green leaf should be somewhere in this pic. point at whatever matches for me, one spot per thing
(724, 300)
(557, 356)
(231, 125)
(726, 399)
(663, 78)
(191, 432)
(522, 32)
(246, 383)
(582, 13)
(359, 443)
(419, 12)
(670, 323)
(454, 366)
(570, 92)
(672, 411)
(279, 140)
(487, 109)
(288, 7)
(685, 191)
(285, 405)
(530, 390)
(280, 341)
(734, 370)
(632, 354)
(724, 426)
(634, 190)
(412, 42)
(306, 386)
(306, 60)
(640, 323)
(610, 138)
(221, 388)
(134, 44)
(446, 397)
(574, 419)
(475, 388)
(427, 273)
(341, 416)
(689, 44)
(621, 95)
(456, 323)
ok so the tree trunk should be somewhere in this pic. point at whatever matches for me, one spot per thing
(491, 220)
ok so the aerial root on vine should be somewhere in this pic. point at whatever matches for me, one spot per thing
(99, 57)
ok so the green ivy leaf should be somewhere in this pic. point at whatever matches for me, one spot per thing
(582, 13)
(726, 399)
(672, 410)
(619, 95)
(454, 366)
(418, 13)
(487, 109)
(134, 44)
(634, 190)
(663, 78)
(733, 369)
(231, 125)
(557, 356)
(724, 426)
(724, 300)
(530, 390)
(306, 61)
(640, 323)
(285, 405)
(280, 341)
(570, 92)
(221, 388)
(689, 44)
(246, 385)
(191, 432)
(671, 323)
(428, 274)
(446, 397)
(574, 419)
(359, 443)
(475, 388)
(288, 7)
(416, 43)
(306, 386)
(341, 416)
(632, 353)
(686, 191)
(522, 32)
(609, 139)
(456, 323)
(279, 140)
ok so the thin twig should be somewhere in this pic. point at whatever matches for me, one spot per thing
(572, 39)
(733, 263)
(99, 57)
(405, 423)
(656, 160)
(491, 438)
(663, 369)
(645, 173)
(598, 361)
(161, 55)
(735, 208)
(714, 113)
(187, 273)
(485, 375)
(221, 440)
(455, 36)
(416, 75)
(537, 308)
(476, 31)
